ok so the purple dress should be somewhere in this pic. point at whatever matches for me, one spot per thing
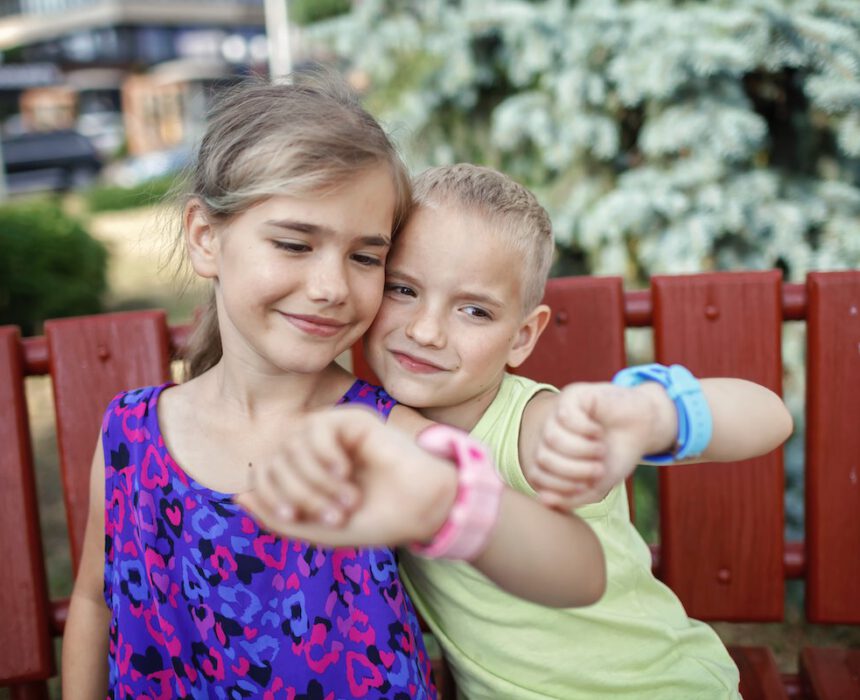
(206, 604)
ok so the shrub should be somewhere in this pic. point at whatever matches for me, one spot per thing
(304, 12)
(49, 266)
(113, 198)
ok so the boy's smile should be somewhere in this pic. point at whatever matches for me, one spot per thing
(451, 317)
(412, 363)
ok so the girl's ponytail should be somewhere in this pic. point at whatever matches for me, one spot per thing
(204, 346)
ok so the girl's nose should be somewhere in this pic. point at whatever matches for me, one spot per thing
(327, 283)
(425, 328)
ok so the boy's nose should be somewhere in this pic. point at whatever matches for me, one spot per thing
(327, 283)
(426, 329)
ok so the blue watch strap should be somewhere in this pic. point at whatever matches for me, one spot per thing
(695, 425)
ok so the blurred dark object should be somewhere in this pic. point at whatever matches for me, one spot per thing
(51, 160)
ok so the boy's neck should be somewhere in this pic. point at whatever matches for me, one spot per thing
(464, 415)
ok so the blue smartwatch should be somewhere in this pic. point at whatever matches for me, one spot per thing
(695, 425)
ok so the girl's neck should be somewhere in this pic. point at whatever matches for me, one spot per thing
(255, 395)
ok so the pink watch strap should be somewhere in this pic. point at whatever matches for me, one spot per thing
(466, 532)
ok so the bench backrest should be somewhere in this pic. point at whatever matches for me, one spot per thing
(722, 545)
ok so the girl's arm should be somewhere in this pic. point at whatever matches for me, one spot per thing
(85, 642)
(576, 445)
(542, 555)
(406, 496)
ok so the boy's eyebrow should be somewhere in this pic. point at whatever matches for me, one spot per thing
(487, 299)
(373, 240)
(479, 297)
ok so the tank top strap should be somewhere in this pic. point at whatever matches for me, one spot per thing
(369, 395)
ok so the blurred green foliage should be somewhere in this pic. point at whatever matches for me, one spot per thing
(663, 136)
(49, 265)
(304, 12)
(115, 198)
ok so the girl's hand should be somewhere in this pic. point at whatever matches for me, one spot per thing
(594, 437)
(405, 493)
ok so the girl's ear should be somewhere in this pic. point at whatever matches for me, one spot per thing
(528, 334)
(201, 239)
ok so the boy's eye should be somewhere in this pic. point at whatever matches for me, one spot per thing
(291, 246)
(477, 312)
(399, 290)
(367, 260)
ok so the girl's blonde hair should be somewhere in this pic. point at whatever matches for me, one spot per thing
(308, 137)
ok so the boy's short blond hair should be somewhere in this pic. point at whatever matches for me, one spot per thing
(523, 224)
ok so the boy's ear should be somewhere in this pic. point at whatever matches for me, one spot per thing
(201, 239)
(528, 334)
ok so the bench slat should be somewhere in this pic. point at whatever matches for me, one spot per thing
(833, 447)
(92, 359)
(584, 339)
(760, 676)
(25, 632)
(830, 673)
(722, 525)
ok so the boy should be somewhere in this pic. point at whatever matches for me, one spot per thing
(463, 287)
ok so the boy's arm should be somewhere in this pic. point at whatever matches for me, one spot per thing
(576, 445)
(85, 642)
(406, 496)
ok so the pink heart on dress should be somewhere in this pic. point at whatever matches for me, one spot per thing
(174, 515)
(361, 674)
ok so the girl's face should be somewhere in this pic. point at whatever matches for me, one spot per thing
(298, 280)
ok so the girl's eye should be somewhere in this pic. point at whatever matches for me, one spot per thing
(399, 290)
(367, 260)
(477, 312)
(291, 246)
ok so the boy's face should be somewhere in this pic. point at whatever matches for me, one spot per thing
(451, 317)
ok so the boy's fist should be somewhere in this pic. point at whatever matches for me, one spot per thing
(595, 436)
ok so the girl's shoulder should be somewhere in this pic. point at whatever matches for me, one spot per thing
(140, 395)
(368, 394)
(131, 399)
(131, 413)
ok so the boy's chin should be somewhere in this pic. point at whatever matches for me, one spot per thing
(415, 397)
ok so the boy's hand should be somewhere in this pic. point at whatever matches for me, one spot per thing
(595, 436)
(401, 493)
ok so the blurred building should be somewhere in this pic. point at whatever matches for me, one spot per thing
(128, 33)
(141, 67)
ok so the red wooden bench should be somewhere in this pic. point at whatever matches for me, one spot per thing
(722, 546)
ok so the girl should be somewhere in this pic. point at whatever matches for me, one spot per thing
(295, 195)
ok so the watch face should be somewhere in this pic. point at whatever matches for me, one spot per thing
(695, 425)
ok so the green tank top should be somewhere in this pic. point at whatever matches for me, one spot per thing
(636, 642)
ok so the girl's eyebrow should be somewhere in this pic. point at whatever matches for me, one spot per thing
(375, 240)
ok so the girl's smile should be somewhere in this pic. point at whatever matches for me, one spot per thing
(315, 325)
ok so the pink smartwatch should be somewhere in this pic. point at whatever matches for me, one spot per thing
(466, 531)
